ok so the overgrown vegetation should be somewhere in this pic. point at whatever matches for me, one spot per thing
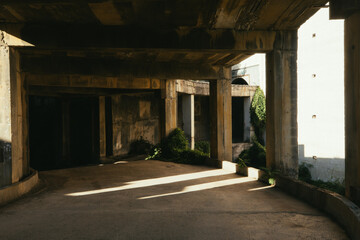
(203, 146)
(255, 156)
(140, 146)
(258, 114)
(175, 148)
(270, 175)
(305, 175)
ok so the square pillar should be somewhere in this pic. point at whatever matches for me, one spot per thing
(14, 134)
(220, 117)
(352, 107)
(189, 118)
(102, 127)
(281, 105)
(169, 106)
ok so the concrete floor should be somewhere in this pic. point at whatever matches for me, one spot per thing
(159, 200)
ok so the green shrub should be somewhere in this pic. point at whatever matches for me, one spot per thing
(175, 148)
(172, 145)
(194, 157)
(203, 146)
(140, 146)
(255, 156)
(258, 114)
(304, 172)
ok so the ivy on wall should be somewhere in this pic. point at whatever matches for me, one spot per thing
(258, 114)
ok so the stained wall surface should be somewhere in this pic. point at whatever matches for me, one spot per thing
(134, 116)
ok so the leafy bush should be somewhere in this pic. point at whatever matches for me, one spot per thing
(172, 145)
(203, 146)
(258, 114)
(140, 146)
(175, 148)
(255, 156)
(194, 157)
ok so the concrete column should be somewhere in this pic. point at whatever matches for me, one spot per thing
(102, 126)
(281, 105)
(14, 134)
(247, 124)
(352, 107)
(189, 118)
(66, 131)
(220, 117)
(169, 106)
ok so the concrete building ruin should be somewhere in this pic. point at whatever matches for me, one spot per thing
(69, 57)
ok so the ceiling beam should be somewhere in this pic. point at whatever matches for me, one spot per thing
(114, 37)
(108, 70)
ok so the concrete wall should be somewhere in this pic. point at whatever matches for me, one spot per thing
(202, 117)
(321, 96)
(134, 115)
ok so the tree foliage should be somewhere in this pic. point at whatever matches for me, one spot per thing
(258, 114)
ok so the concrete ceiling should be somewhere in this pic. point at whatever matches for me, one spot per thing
(210, 14)
(216, 32)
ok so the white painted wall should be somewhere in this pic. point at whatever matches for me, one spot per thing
(321, 96)
(254, 69)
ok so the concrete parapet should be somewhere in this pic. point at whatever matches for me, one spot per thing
(19, 189)
(345, 212)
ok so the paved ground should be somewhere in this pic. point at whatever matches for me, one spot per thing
(158, 200)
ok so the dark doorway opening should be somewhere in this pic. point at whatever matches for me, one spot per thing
(237, 119)
(63, 131)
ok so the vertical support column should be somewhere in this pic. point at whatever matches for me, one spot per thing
(352, 107)
(169, 106)
(66, 130)
(220, 116)
(189, 118)
(14, 140)
(281, 105)
(102, 126)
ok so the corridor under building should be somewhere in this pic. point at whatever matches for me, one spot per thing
(80, 80)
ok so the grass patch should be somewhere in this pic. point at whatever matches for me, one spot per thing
(305, 176)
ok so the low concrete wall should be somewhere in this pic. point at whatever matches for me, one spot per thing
(345, 212)
(16, 190)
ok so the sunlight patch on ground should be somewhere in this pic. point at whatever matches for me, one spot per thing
(154, 182)
(261, 188)
(205, 186)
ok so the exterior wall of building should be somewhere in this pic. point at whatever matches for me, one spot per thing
(321, 96)
(134, 116)
(253, 70)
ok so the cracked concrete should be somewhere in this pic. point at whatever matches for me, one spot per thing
(160, 200)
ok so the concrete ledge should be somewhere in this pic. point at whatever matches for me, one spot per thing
(345, 212)
(250, 172)
(16, 190)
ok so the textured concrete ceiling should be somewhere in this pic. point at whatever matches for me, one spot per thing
(216, 32)
(212, 14)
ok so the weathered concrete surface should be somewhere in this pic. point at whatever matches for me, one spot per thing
(281, 105)
(13, 119)
(238, 208)
(189, 118)
(18, 189)
(220, 117)
(203, 88)
(169, 106)
(134, 116)
(352, 105)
